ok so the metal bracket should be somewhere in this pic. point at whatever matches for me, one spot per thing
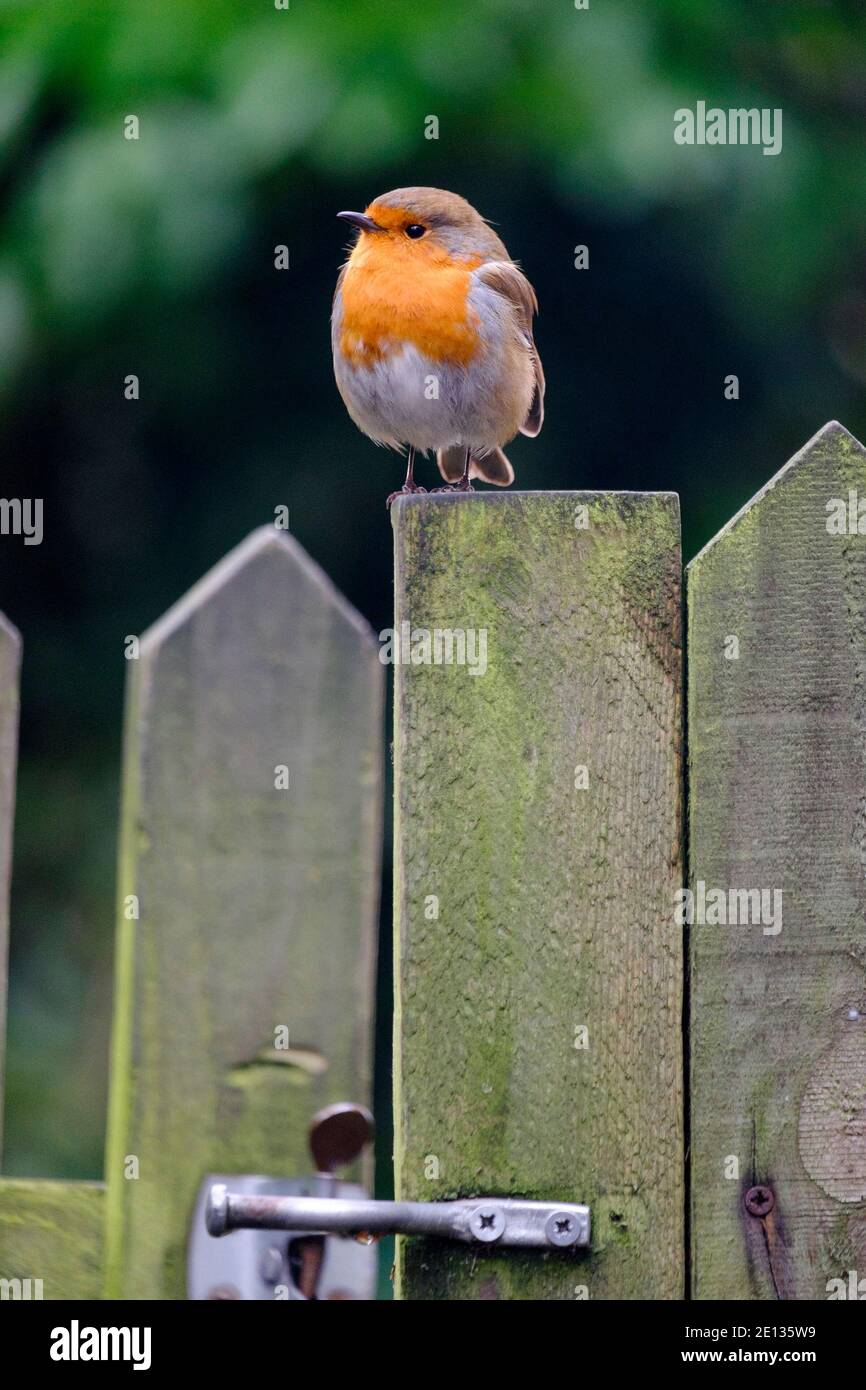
(488, 1220)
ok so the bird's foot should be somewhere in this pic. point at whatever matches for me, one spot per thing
(455, 487)
(403, 491)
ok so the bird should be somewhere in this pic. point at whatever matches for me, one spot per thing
(432, 337)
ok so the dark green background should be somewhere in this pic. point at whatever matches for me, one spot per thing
(156, 258)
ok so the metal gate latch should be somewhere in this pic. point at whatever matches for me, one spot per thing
(337, 1136)
(309, 1261)
(499, 1220)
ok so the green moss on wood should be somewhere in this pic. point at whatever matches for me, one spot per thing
(51, 1232)
(555, 905)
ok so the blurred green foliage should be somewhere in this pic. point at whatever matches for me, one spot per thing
(230, 95)
(155, 256)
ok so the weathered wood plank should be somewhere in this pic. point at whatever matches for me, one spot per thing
(51, 1239)
(10, 665)
(777, 778)
(257, 905)
(528, 909)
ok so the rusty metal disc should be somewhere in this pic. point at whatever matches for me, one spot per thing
(339, 1134)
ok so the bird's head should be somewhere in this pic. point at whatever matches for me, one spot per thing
(423, 226)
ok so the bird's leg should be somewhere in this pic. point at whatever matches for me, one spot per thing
(409, 485)
(463, 485)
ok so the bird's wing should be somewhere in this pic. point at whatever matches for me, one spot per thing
(508, 280)
(336, 302)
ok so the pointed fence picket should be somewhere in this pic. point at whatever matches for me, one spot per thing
(777, 802)
(249, 847)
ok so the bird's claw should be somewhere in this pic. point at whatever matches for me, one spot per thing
(406, 490)
(454, 487)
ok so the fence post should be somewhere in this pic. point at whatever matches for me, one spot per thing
(248, 888)
(777, 777)
(537, 855)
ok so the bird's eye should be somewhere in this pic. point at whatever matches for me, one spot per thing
(415, 230)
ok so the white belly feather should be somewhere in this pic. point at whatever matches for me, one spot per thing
(404, 397)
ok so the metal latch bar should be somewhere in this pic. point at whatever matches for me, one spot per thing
(501, 1220)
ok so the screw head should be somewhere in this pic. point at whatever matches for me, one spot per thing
(562, 1229)
(760, 1200)
(487, 1223)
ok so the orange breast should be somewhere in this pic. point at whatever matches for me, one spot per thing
(396, 291)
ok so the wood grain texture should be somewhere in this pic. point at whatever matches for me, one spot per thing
(51, 1231)
(10, 667)
(777, 779)
(526, 909)
(257, 905)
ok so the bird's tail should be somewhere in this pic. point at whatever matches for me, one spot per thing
(493, 467)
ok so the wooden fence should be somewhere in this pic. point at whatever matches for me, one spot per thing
(546, 920)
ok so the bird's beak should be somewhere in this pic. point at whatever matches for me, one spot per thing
(360, 219)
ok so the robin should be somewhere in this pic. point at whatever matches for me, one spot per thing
(432, 337)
